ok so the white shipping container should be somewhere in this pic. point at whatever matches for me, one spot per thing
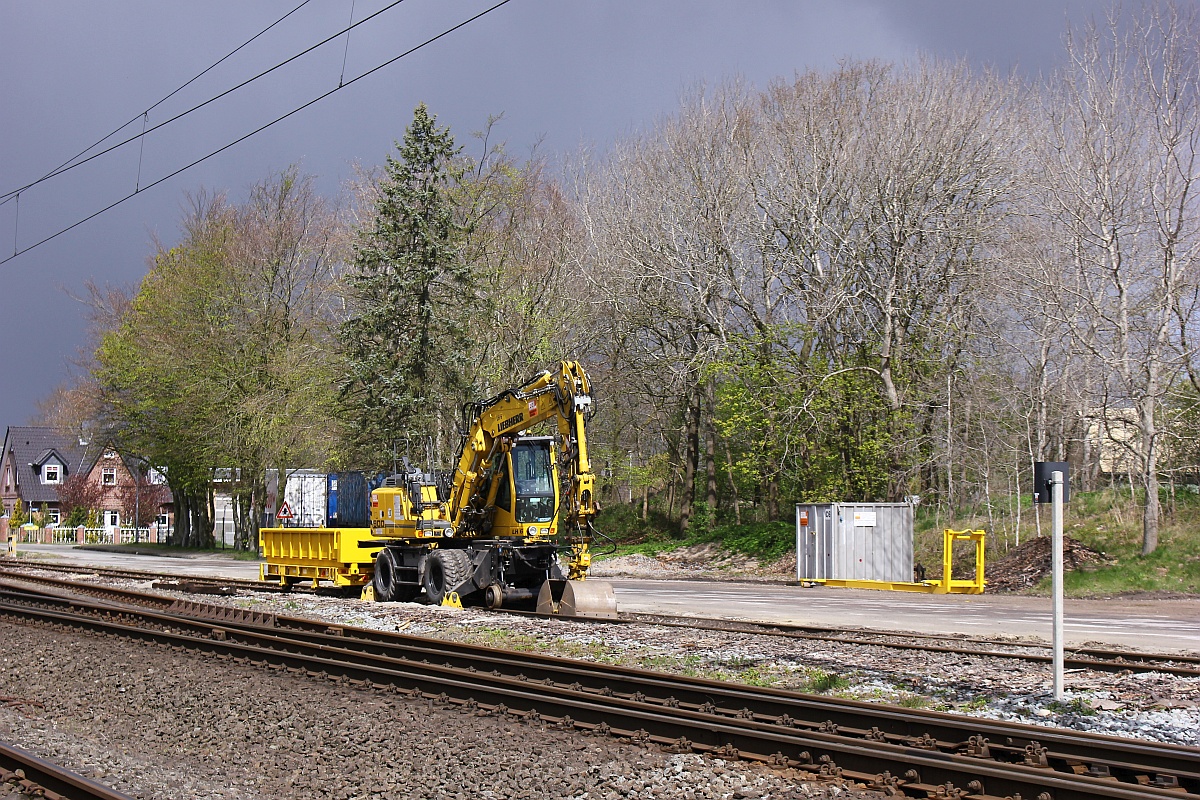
(305, 494)
(854, 541)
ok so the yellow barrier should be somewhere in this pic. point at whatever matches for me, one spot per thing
(947, 585)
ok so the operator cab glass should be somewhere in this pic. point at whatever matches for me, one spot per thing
(533, 481)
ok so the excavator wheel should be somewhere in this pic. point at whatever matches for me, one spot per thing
(445, 571)
(577, 599)
(385, 581)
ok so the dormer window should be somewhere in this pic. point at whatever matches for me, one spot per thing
(51, 474)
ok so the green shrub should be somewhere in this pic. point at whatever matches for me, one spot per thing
(820, 681)
(764, 540)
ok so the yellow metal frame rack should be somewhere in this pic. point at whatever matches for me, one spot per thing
(947, 585)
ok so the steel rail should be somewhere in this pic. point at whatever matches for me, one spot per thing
(923, 773)
(35, 776)
(364, 665)
(1090, 658)
(7, 565)
(946, 732)
(1099, 658)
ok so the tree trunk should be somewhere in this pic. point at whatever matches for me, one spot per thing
(183, 517)
(200, 522)
(1151, 510)
(258, 508)
(773, 490)
(737, 506)
(710, 446)
(691, 459)
(671, 492)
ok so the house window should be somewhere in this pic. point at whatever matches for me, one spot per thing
(108, 476)
(50, 474)
(112, 518)
(52, 517)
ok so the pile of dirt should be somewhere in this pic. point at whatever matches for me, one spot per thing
(1033, 560)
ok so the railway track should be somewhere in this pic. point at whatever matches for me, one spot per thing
(1081, 658)
(1101, 659)
(145, 575)
(35, 777)
(900, 751)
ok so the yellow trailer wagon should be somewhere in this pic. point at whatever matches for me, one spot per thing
(291, 555)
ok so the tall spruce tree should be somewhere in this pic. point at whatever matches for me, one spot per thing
(410, 294)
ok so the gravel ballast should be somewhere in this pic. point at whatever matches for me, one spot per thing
(234, 731)
(160, 724)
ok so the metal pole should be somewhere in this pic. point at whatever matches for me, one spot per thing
(629, 478)
(137, 506)
(799, 569)
(1056, 498)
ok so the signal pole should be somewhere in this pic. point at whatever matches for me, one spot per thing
(1056, 504)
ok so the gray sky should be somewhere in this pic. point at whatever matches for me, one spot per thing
(565, 73)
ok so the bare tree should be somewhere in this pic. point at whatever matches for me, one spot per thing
(1121, 184)
(883, 192)
(664, 216)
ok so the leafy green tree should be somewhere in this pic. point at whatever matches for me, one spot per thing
(18, 517)
(269, 360)
(220, 359)
(411, 295)
(149, 367)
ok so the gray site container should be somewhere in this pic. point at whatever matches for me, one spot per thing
(854, 541)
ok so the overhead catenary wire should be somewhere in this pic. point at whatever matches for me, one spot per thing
(346, 52)
(257, 130)
(145, 114)
(80, 162)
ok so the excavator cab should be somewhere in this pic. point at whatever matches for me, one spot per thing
(527, 490)
(533, 477)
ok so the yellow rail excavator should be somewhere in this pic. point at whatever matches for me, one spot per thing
(489, 532)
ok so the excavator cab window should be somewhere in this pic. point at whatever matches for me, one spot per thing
(533, 478)
(503, 493)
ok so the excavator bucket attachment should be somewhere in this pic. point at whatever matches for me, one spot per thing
(577, 599)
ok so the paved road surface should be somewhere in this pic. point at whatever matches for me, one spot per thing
(200, 566)
(1163, 625)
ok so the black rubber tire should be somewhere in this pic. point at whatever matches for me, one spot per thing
(445, 571)
(384, 579)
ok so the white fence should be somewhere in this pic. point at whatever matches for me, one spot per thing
(106, 535)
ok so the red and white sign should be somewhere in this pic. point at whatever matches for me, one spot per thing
(285, 511)
(532, 407)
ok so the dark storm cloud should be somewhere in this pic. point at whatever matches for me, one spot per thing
(562, 73)
(1023, 35)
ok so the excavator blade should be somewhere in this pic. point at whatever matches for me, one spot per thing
(577, 599)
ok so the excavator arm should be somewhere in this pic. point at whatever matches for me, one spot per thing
(564, 396)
